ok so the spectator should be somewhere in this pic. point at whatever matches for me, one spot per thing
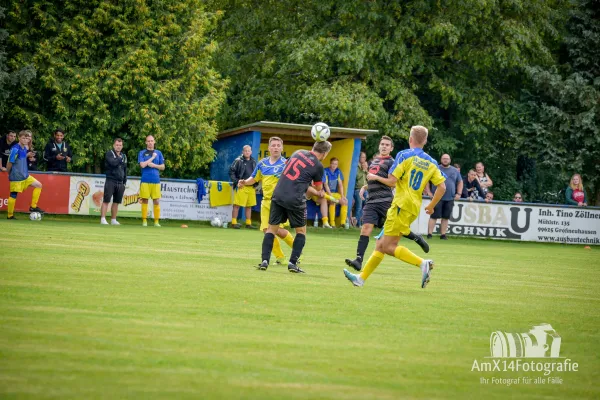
(575, 194)
(457, 166)
(115, 163)
(6, 143)
(242, 168)
(484, 179)
(151, 162)
(443, 209)
(471, 188)
(58, 152)
(361, 180)
(489, 197)
(518, 198)
(334, 186)
(32, 157)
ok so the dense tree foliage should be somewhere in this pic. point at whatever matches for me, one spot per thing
(513, 83)
(107, 69)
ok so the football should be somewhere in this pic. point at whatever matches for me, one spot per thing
(216, 222)
(320, 132)
(35, 216)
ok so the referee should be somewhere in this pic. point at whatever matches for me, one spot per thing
(116, 177)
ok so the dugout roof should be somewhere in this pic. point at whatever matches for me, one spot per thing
(299, 133)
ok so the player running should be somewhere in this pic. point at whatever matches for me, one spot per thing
(268, 170)
(380, 199)
(289, 200)
(411, 172)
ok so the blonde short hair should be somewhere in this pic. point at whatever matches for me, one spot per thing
(275, 139)
(419, 134)
(25, 132)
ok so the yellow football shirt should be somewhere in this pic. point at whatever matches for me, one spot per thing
(269, 175)
(414, 169)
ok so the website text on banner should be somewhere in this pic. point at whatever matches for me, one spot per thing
(528, 222)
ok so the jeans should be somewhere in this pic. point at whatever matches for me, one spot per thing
(358, 206)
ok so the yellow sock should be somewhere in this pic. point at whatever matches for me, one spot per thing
(404, 254)
(35, 197)
(325, 220)
(156, 213)
(289, 240)
(373, 262)
(11, 206)
(144, 211)
(233, 221)
(332, 213)
(248, 222)
(343, 214)
(277, 248)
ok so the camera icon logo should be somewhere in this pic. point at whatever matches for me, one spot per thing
(541, 341)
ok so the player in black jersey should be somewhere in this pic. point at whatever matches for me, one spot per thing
(380, 199)
(289, 200)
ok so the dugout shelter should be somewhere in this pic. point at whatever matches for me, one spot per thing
(346, 143)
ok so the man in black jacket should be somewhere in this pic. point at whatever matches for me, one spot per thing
(116, 177)
(6, 143)
(242, 168)
(58, 152)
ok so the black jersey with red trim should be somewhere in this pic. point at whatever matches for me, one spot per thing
(302, 168)
(380, 192)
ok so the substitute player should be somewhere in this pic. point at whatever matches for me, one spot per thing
(411, 172)
(268, 170)
(378, 203)
(151, 161)
(289, 200)
(334, 186)
(18, 175)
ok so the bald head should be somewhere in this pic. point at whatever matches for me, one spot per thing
(150, 142)
(445, 160)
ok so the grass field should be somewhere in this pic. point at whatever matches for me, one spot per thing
(90, 311)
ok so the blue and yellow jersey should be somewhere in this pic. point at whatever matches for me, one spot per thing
(414, 169)
(18, 159)
(269, 175)
(149, 174)
(332, 179)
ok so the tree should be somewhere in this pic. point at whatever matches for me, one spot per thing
(557, 120)
(129, 69)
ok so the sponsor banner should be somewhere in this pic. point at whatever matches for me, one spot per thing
(54, 197)
(529, 222)
(179, 200)
(86, 194)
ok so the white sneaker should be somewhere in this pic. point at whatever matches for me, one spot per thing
(114, 222)
(426, 267)
(327, 226)
(103, 221)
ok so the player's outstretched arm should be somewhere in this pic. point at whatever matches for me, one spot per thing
(389, 181)
(246, 182)
(439, 192)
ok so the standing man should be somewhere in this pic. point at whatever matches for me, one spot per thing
(18, 175)
(115, 163)
(443, 209)
(379, 201)
(411, 172)
(7, 142)
(268, 171)
(361, 180)
(245, 196)
(58, 152)
(334, 186)
(289, 200)
(151, 161)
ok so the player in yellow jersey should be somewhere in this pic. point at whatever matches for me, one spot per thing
(410, 173)
(268, 170)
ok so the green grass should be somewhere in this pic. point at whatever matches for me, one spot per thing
(90, 311)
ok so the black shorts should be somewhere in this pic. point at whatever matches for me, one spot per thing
(443, 209)
(280, 214)
(375, 213)
(113, 190)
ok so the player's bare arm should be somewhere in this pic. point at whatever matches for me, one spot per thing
(389, 181)
(439, 192)
(8, 167)
(246, 182)
(146, 163)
